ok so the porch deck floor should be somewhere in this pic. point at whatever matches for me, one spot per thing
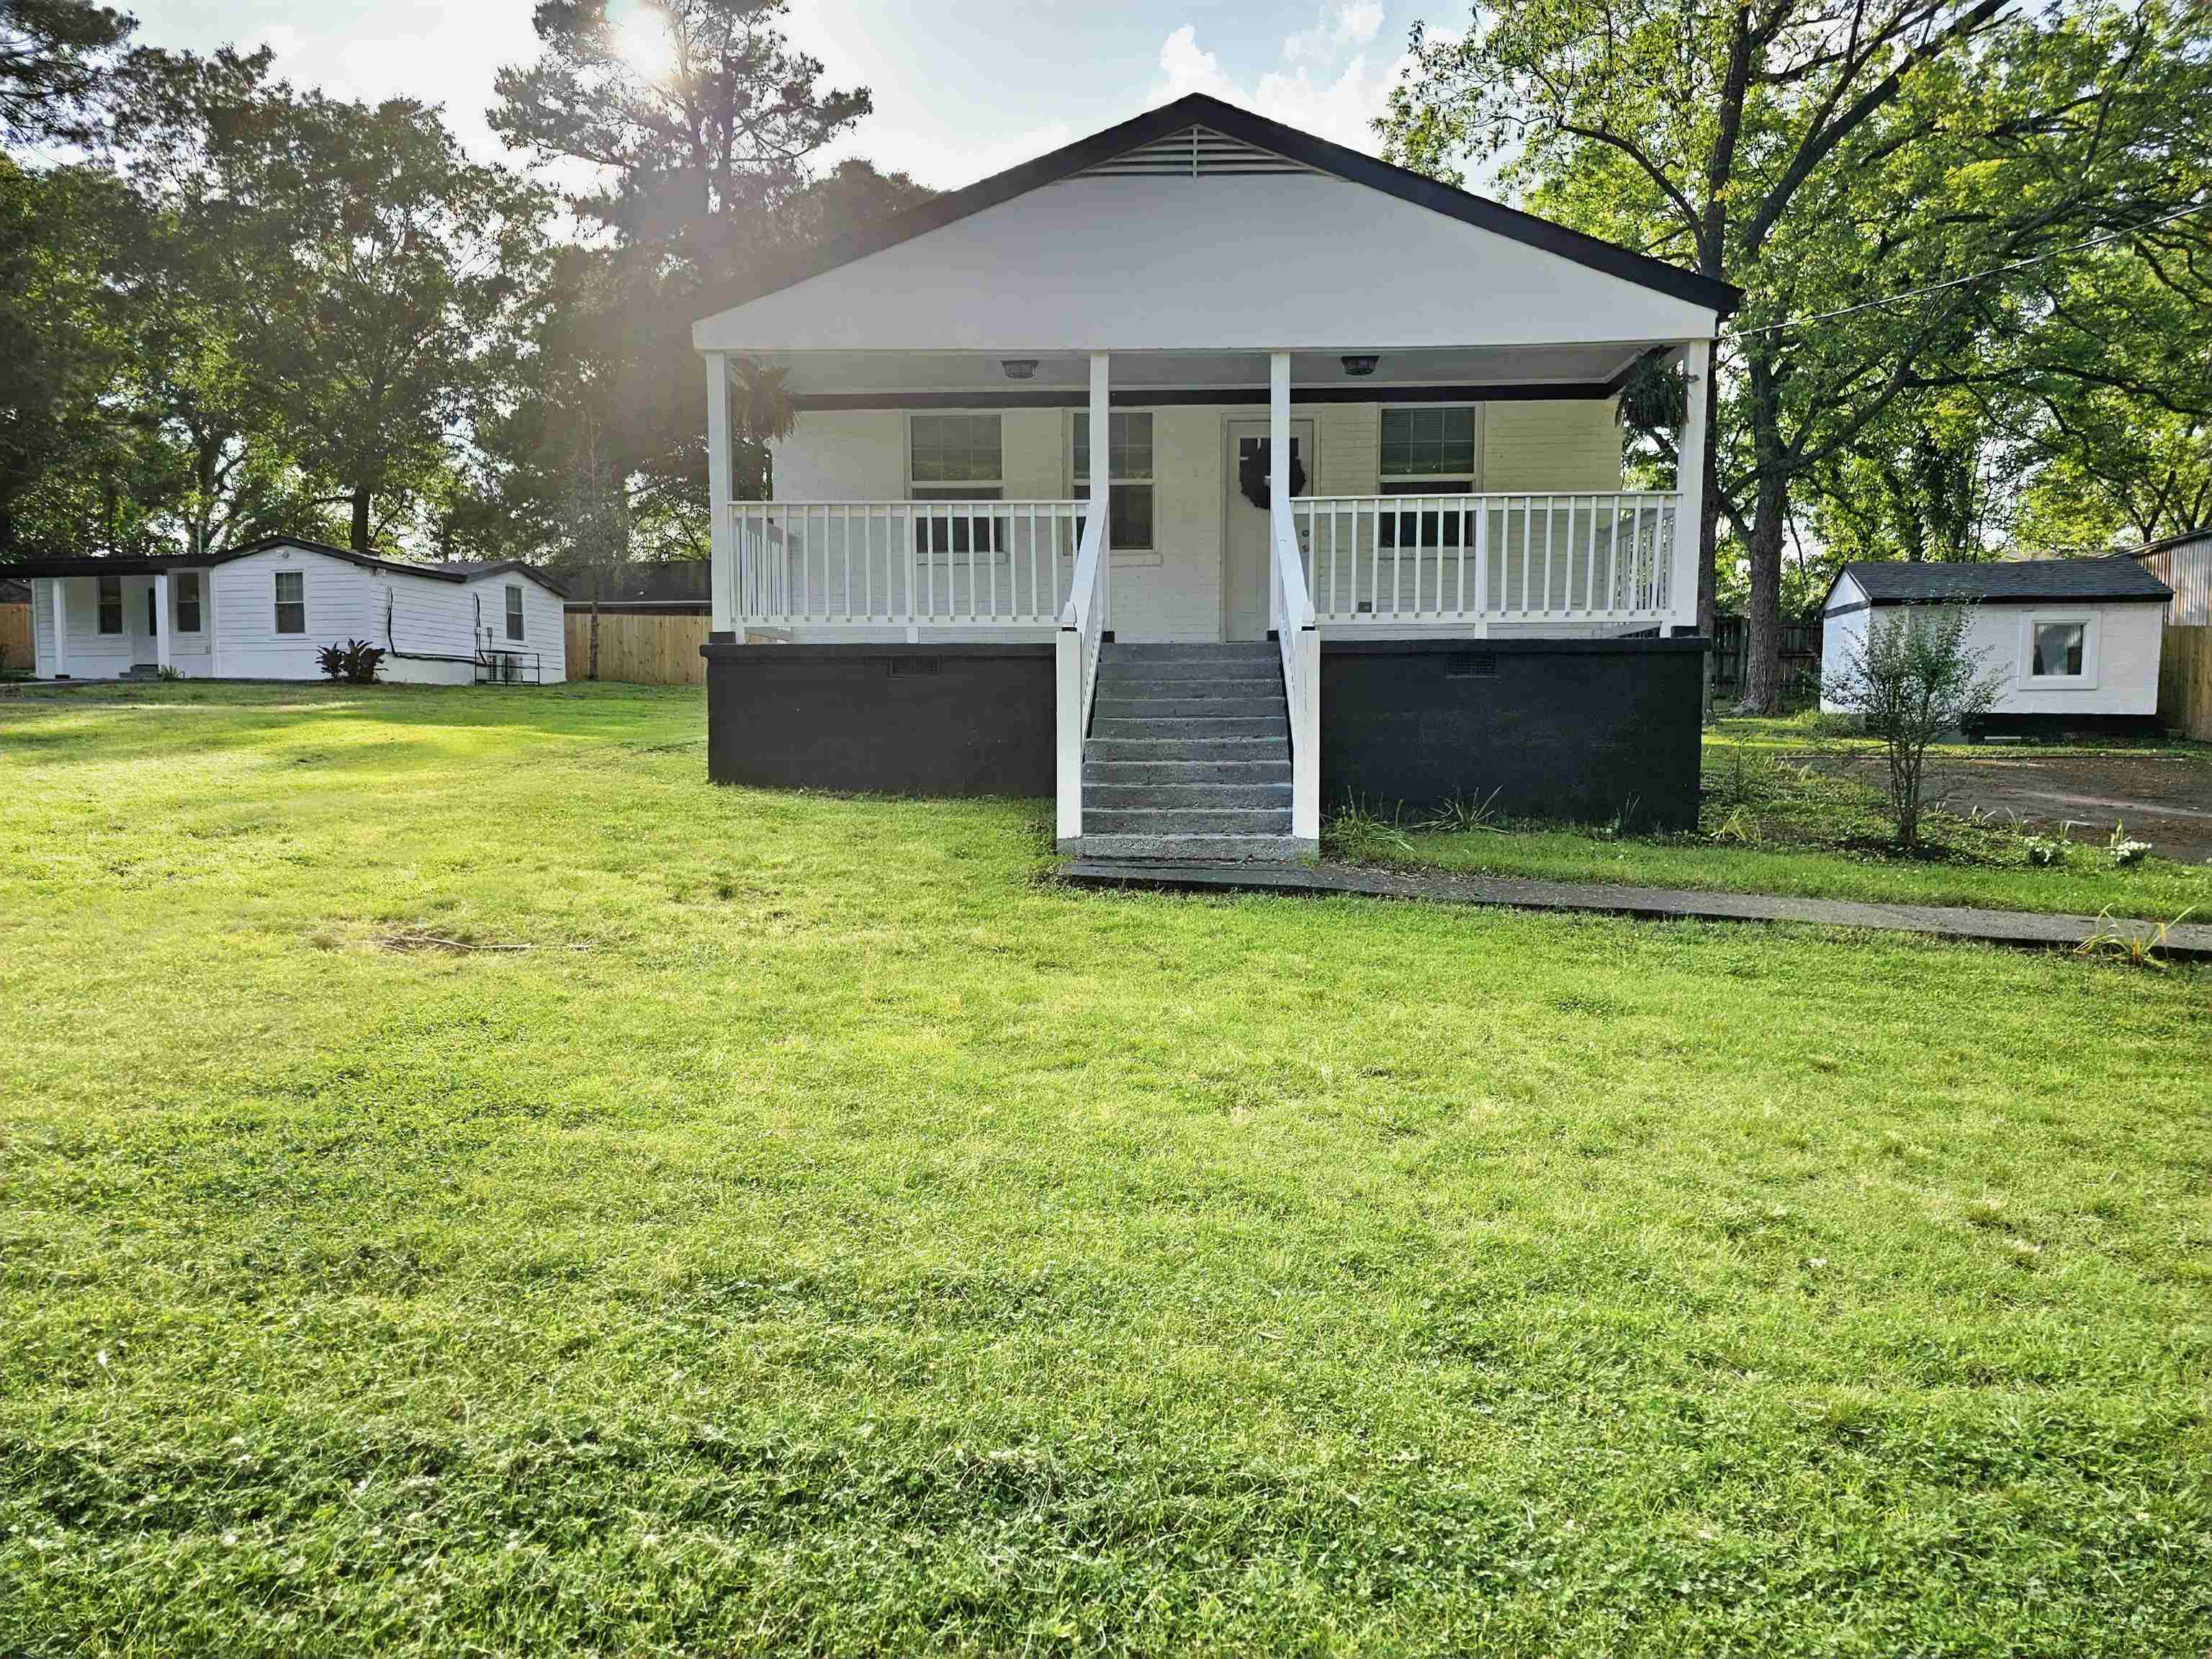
(2191, 941)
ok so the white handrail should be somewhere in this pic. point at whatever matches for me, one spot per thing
(1517, 555)
(979, 564)
(1075, 670)
(1290, 613)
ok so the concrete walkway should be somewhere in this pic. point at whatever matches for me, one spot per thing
(2191, 941)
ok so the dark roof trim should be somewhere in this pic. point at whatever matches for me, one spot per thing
(155, 566)
(470, 570)
(1197, 109)
(2110, 580)
(1187, 397)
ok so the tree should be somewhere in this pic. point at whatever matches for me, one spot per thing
(373, 261)
(1837, 166)
(696, 116)
(52, 56)
(1912, 679)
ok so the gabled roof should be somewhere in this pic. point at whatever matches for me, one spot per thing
(477, 570)
(1199, 111)
(449, 571)
(2012, 581)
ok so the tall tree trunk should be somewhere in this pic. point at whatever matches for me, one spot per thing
(1762, 645)
(360, 542)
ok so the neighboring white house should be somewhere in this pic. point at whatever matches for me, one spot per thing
(2183, 563)
(263, 612)
(2072, 638)
(1194, 384)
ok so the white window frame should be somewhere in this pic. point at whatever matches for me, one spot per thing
(198, 580)
(278, 602)
(513, 613)
(1386, 485)
(1078, 420)
(122, 628)
(953, 553)
(914, 484)
(2084, 681)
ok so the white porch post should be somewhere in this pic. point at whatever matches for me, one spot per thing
(1102, 474)
(1690, 483)
(1278, 431)
(722, 575)
(59, 589)
(163, 643)
(211, 621)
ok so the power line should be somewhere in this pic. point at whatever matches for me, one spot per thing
(1978, 277)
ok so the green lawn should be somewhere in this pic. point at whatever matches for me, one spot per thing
(861, 1244)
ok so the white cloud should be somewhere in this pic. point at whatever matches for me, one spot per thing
(1319, 91)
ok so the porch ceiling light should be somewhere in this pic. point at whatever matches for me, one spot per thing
(1360, 366)
(1019, 368)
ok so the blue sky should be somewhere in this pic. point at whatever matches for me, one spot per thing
(963, 88)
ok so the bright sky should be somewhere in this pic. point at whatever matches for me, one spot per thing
(963, 88)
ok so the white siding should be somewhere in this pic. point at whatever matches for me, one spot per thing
(342, 604)
(544, 622)
(1569, 445)
(2122, 653)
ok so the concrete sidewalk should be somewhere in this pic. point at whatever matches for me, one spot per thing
(2191, 941)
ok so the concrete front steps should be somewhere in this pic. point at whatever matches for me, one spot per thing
(1189, 757)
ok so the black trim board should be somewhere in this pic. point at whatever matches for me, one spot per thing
(1197, 109)
(1235, 396)
(156, 564)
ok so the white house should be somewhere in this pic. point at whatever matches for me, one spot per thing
(262, 611)
(2076, 641)
(1198, 469)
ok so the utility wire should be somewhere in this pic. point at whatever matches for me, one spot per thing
(1978, 277)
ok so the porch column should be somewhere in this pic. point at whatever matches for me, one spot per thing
(722, 569)
(1279, 435)
(210, 580)
(163, 641)
(59, 589)
(1690, 483)
(1102, 477)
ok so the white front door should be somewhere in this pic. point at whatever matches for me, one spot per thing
(1244, 538)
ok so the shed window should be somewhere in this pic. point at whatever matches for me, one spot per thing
(110, 604)
(1428, 450)
(955, 458)
(2060, 648)
(291, 602)
(514, 610)
(188, 601)
(1128, 477)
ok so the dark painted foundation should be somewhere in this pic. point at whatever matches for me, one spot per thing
(1582, 731)
(944, 719)
(2066, 726)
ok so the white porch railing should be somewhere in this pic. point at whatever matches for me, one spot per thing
(1075, 668)
(900, 564)
(1422, 559)
(1291, 614)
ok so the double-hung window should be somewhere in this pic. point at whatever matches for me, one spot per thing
(291, 602)
(955, 458)
(187, 585)
(514, 610)
(110, 604)
(1128, 477)
(1431, 449)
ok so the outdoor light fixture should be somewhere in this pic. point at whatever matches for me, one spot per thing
(1359, 368)
(1019, 368)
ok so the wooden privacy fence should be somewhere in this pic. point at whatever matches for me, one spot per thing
(639, 647)
(1800, 655)
(2184, 682)
(15, 636)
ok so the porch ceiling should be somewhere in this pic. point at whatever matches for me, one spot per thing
(1576, 368)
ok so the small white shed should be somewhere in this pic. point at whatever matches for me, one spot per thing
(2074, 638)
(262, 611)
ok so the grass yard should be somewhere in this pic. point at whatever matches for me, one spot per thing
(1770, 824)
(835, 1237)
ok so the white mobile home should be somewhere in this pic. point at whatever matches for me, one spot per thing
(2075, 641)
(263, 612)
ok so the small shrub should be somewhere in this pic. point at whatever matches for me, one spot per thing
(1913, 680)
(2123, 852)
(169, 673)
(1461, 815)
(2129, 946)
(2044, 852)
(354, 663)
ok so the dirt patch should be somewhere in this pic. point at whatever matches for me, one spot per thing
(2164, 799)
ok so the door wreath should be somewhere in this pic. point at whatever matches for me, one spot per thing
(1252, 474)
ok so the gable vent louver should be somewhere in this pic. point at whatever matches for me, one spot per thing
(1196, 153)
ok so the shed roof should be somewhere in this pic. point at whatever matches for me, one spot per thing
(2011, 581)
(446, 571)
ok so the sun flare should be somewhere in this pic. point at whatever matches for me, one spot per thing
(645, 45)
